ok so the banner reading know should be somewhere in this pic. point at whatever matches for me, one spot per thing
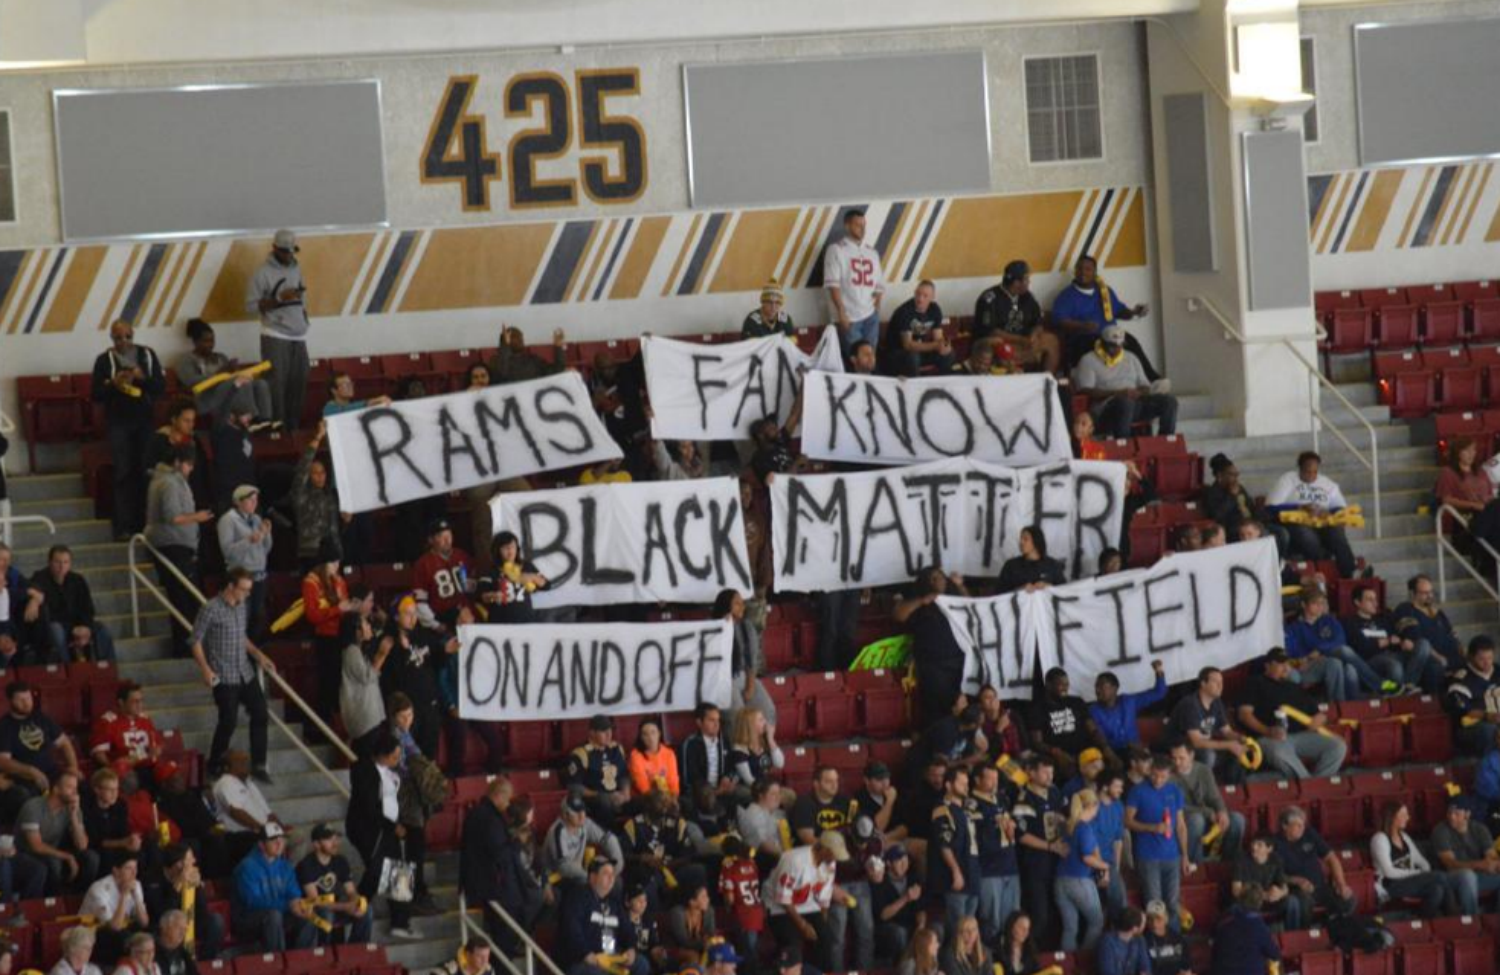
(1215, 608)
(1013, 420)
(667, 541)
(521, 673)
(714, 392)
(418, 448)
(875, 528)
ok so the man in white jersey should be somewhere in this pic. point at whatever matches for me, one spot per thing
(855, 283)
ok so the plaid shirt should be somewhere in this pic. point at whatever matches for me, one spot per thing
(220, 627)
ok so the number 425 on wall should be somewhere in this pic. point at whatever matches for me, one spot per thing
(612, 148)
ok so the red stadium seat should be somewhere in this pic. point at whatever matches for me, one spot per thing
(1350, 330)
(1448, 426)
(1472, 956)
(359, 958)
(357, 366)
(1423, 958)
(263, 964)
(1412, 932)
(444, 830)
(1461, 928)
(1384, 365)
(53, 410)
(1484, 320)
(679, 726)
(311, 960)
(849, 759)
(1202, 901)
(832, 714)
(1382, 298)
(1326, 302)
(1442, 323)
(1461, 388)
(532, 743)
(1380, 743)
(1372, 963)
(1295, 944)
(1436, 359)
(1411, 394)
(1395, 327)
(1169, 446)
(797, 773)
(892, 752)
(882, 701)
(1147, 543)
(1176, 476)
(1115, 449)
(1429, 737)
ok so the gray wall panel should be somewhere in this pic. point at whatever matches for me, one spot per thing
(846, 128)
(1194, 248)
(1276, 251)
(142, 162)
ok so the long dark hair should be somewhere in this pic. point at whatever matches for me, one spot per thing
(501, 540)
(349, 625)
(1038, 539)
(722, 603)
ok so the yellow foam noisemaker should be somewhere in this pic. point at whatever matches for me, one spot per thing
(1305, 719)
(1452, 788)
(1185, 918)
(614, 964)
(1350, 517)
(1273, 968)
(1212, 836)
(1012, 771)
(669, 877)
(130, 390)
(1253, 755)
(512, 571)
(224, 377)
(287, 620)
(1469, 721)
(1051, 970)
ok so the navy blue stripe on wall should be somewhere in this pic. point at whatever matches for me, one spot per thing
(700, 254)
(390, 273)
(565, 256)
(888, 229)
(1088, 242)
(1317, 188)
(911, 265)
(1428, 222)
(143, 280)
(1359, 191)
(41, 299)
(10, 266)
(614, 255)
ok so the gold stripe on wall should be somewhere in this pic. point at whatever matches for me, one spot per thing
(458, 268)
(1372, 218)
(981, 234)
(1417, 205)
(1484, 182)
(1493, 233)
(330, 265)
(192, 273)
(226, 299)
(1083, 209)
(640, 258)
(1458, 202)
(814, 246)
(45, 257)
(1346, 181)
(127, 275)
(1319, 218)
(751, 252)
(74, 289)
(670, 284)
(1130, 245)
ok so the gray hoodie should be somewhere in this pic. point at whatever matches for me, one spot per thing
(168, 497)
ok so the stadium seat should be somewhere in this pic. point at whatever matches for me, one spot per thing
(832, 714)
(849, 759)
(310, 960)
(268, 963)
(1423, 958)
(53, 410)
(1442, 323)
(1202, 900)
(359, 958)
(892, 751)
(1383, 298)
(444, 830)
(680, 725)
(418, 365)
(1472, 956)
(1395, 327)
(882, 701)
(532, 743)
(1411, 394)
(1411, 932)
(1350, 330)
(1147, 543)
(1429, 737)
(1461, 388)
(1484, 321)
(797, 773)
(1448, 426)
(1295, 944)
(778, 642)
(1372, 963)
(1385, 365)
(1115, 449)
(1460, 928)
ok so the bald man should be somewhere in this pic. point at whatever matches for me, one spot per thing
(127, 381)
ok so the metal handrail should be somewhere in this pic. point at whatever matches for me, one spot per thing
(137, 576)
(7, 425)
(1317, 379)
(532, 951)
(1444, 545)
(8, 521)
(468, 926)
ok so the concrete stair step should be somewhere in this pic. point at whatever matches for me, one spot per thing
(82, 532)
(155, 666)
(58, 509)
(33, 553)
(154, 619)
(1337, 461)
(44, 487)
(132, 650)
(1286, 446)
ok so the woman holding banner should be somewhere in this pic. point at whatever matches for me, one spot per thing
(748, 658)
(505, 597)
(1032, 569)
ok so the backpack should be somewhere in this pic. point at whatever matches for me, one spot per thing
(1353, 933)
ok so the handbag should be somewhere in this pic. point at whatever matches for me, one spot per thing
(398, 878)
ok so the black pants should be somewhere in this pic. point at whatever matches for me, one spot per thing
(787, 936)
(185, 561)
(228, 698)
(387, 846)
(127, 438)
(1038, 870)
(457, 732)
(1081, 344)
(330, 664)
(258, 625)
(1317, 544)
(838, 623)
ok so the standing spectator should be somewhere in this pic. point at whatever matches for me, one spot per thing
(1371, 633)
(653, 765)
(1040, 814)
(1205, 808)
(126, 733)
(1120, 391)
(267, 907)
(739, 889)
(914, 338)
(127, 381)
(417, 657)
(245, 540)
(953, 855)
(1262, 867)
(1115, 714)
(877, 802)
(1318, 498)
(31, 743)
(239, 394)
(1008, 314)
(1312, 868)
(73, 629)
(598, 767)
(118, 903)
(233, 458)
(1473, 697)
(1061, 727)
(276, 293)
(1080, 875)
(855, 284)
(939, 666)
(747, 657)
(227, 659)
(799, 892)
(324, 872)
(180, 430)
(1123, 950)
(1154, 814)
(1420, 619)
(1033, 569)
(1263, 712)
(1086, 307)
(593, 932)
(770, 318)
(360, 702)
(53, 837)
(1316, 636)
(1402, 870)
(571, 836)
(172, 524)
(314, 503)
(705, 756)
(77, 950)
(325, 600)
(514, 362)
(442, 577)
(1242, 944)
(1109, 826)
(1202, 718)
(486, 860)
(375, 828)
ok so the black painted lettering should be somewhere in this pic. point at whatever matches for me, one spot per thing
(1256, 598)
(1199, 633)
(680, 658)
(936, 487)
(641, 668)
(541, 547)
(396, 448)
(896, 418)
(656, 541)
(1061, 627)
(554, 675)
(1009, 442)
(931, 396)
(992, 533)
(509, 416)
(1044, 481)
(611, 667)
(566, 417)
(884, 497)
(689, 509)
(834, 512)
(753, 388)
(1116, 594)
(483, 647)
(708, 640)
(723, 529)
(585, 680)
(838, 406)
(464, 446)
(593, 574)
(702, 384)
(1153, 611)
(1092, 518)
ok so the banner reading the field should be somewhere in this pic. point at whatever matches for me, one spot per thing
(666, 541)
(875, 528)
(714, 392)
(1015, 420)
(418, 448)
(551, 671)
(998, 636)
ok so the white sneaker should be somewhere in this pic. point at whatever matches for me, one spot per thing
(405, 934)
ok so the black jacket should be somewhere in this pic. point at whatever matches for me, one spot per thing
(366, 818)
(118, 405)
(486, 854)
(695, 762)
(69, 604)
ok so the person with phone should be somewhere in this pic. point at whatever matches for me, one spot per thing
(276, 293)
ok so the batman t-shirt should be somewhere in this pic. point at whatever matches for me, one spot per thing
(29, 740)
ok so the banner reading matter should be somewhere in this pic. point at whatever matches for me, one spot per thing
(418, 448)
(1014, 420)
(875, 528)
(667, 541)
(553, 671)
(714, 392)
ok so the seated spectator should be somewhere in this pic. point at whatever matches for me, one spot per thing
(472, 959)
(1032, 569)
(73, 630)
(921, 954)
(1061, 727)
(822, 808)
(77, 952)
(1466, 851)
(181, 892)
(1315, 636)
(20, 611)
(1008, 314)
(914, 338)
(939, 667)
(656, 845)
(173, 954)
(106, 820)
(268, 906)
(1080, 874)
(1318, 498)
(798, 895)
(31, 743)
(753, 753)
(1017, 951)
(194, 813)
(1464, 486)
(513, 362)
(173, 521)
(341, 396)
(979, 362)
(1242, 944)
(1312, 868)
(243, 394)
(1154, 814)
(1205, 808)
(1122, 951)
(571, 836)
(876, 800)
(1283, 748)
(648, 936)
(965, 953)
(653, 765)
(1228, 503)
(1116, 714)
(126, 733)
(594, 935)
(1400, 868)
(1371, 632)
(180, 430)
(324, 872)
(705, 758)
(762, 823)
(118, 903)
(598, 769)
(1473, 698)
(1202, 718)
(315, 504)
(1120, 392)
(505, 596)
(770, 318)
(689, 927)
(1165, 947)
(233, 457)
(1001, 726)
(53, 837)
(1087, 306)
(243, 809)
(1420, 619)
(1262, 867)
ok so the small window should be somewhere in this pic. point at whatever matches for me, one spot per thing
(1310, 85)
(1063, 120)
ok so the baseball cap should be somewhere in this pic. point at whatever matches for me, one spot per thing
(323, 831)
(1156, 909)
(575, 803)
(164, 771)
(271, 831)
(877, 770)
(789, 957)
(1115, 333)
(834, 843)
(600, 862)
(1277, 655)
(244, 491)
(437, 525)
(722, 953)
(894, 853)
(601, 722)
(285, 240)
(1090, 755)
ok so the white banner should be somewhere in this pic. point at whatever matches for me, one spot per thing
(1015, 420)
(1214, 608)
(666, 541)
(418, 448)
(714, 392)
(547, 671)
(875, 528)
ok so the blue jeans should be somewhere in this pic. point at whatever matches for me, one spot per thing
(1421, 667)
(999, 898)
(1078, 898)
(1199, 824)
(863, 330)
(1161, 880)
(274, 931)
(360, 929)
(22, 878)
(957, 905)
(1470, 886)
(1355, 669)
(60, 636)
(1325, 671)
(858, 921)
